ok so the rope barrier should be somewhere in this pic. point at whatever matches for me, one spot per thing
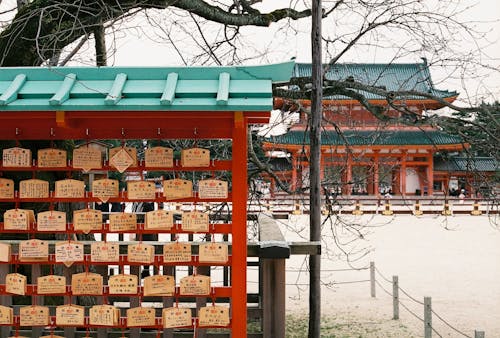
(449, 325)
(409, 296)
(383, 277)
(383, 289)
(410, 311)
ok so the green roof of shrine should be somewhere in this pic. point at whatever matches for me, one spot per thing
(467, 164)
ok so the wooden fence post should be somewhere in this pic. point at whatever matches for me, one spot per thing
(372, 279)
(427, 317)
(478, 334)
(395, 297)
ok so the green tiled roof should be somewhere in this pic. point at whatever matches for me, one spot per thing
(483, 164)
(141, 88)
(378, 137)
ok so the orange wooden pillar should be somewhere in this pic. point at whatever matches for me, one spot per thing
(348, 176)
(293, 183)
(402, 173)
(430, 175)
(376, 170)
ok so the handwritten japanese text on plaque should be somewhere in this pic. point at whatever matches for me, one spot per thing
(16, 157)
(104, 252)
(159, 157)
(123, 284)
(141, 190)
(195, 157)
(141, 316)
(86, 283)
(122, 222)
(51, 284)
(33, 188)
(33, 250)
(6, 188)
(86, 220)
(141, 253)
(70, 188)
(176, 252)
(121, 160)
(159, 285)
(214, 316)
(15, 283)
(176, 317)
(105, 189)
(70, 314)
(159, 220)
(195, 221)
(195, 285)
(104, 315)
(51, 221)
(68, 252)
(52, 158)
(213, 252)
(131, 151)
(177, 188)
(18, 219)
(87, 158)
(6, 315)
(212, 189)
(34, 315)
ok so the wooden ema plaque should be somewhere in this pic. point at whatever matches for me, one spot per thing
(6, 315)
(122, 222)
(51, 284)
(195, 221)
(173, 317)
(34, 315)
(51, 336)
(52, 158)
(33, 250)
(18, 219)
(214, 316)
(159, 157)
(5, 252)
(195, 157)
(87, 158)
(16, 157)
(176, 252)
(105, 189)
(141, 316)
(105, 252)
(141, 190)
(212, 189)
(6, 188)
(104, 315)
(15, 283)
(33, 189)
(86, 283)
(121, 160)
(86, 220)
(141, 253)
(195, 285)
(51, 221)
(70, 188)
(130, 151)
(159, 220)
(213, 253)
(159, 285)
(122, 284)
(70, 315)
(68, 252)
(177, 188)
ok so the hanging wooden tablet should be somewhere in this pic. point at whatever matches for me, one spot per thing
(52, 158)
(177, 188)
(51, 221)
(86, 283)
(33, 188)
(122, 222)
(105, 189)
(6, 188)
(159, 285)
(141, 316)
(15, 283)
(122, 284)
(121, 160)
(6, 315)
(70, 315)
(159, 220)
(104, 315)
(159, 157)
(16, 157)
(130, 151)
(33, 250)
(176, 317)
(5, 252)
(196, 285)
(87, 158)
(214, 315)
(195, 157)
(141, 190)
(86, 220)
(212, 189)
(51, 284)
(141, 253)
(213, 252)
(68, 252)
(70, 188)
(51, 336)
(105, 252)
(34, 315)
(18, 219)
(176, 252)
(195, 221)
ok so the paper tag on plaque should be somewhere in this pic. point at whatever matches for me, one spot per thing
(214, 316)
(6, 315)
(176, 317)
(33, 250)
(16, 157)
(51, 284)
(121, 160)
(34, 315)
(176, 252)
(122, 222)
(105, 252)
(141, 190)
(213, 252)
(51, 221)
(87, 158)
(141, 253)
(122, 284)
(5, 252)
(195, 285)
(141, 316)
(70, 188)
(105, 189)
(33, 189)
(15, 283)
(131, 151)
(195, 221)
(70, 314)
(159, 220)
(195, 157)
(52, 158)
(177, 188)
(86, 220)
(69, 252)
(86, 283)
(159, 285)
(17, 219)
(159, 157)
(212, 189)
(6, 188)
(104, 315)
